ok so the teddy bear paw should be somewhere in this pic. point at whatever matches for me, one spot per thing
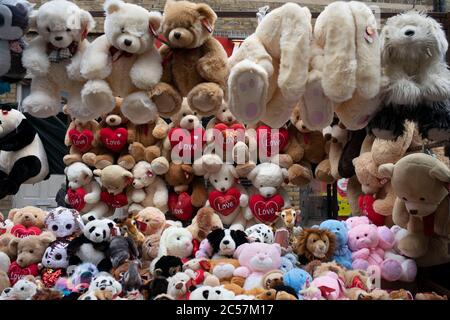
(205, 98)
(391, 270)
(166, 98)
(139, 109)
(409, 273)
(41, 105)
(317, 110)
(97, 95)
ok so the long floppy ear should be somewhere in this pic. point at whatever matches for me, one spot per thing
(439, 34)
(441, 173)
(207, 13)
(386, 170)
(154, 20)
(87, 22)
(112, 6)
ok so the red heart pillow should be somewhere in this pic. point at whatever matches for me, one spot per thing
(76, 198)
(50, 276)
(365, 203)
(115, 201)
(265, 209)
(187, 142)
(180, 205)
(114, 140)
(82, 141)
(224, 202)
(16, 272)
(273, 141)
(20, 231)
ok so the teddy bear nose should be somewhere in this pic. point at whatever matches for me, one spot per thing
(413, 212)
(128, 42)
(409, 33)
(191, 120)
(222, 189)
(58, 38)
(177, 35)
(230, 119)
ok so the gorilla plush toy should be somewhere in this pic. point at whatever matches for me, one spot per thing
(22, 155)
(13, 25)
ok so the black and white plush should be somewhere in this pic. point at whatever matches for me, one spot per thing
(211, 293)
(122, 249)
(14, 16)
(260, 233)
(225, 241)
(22, 155)
(92, 246)
(56, 256)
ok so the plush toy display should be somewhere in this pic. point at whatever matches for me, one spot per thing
(195, 62)
(15, 15)
(262, 84)
(22, 155)
(27, 221)
(417, 94)
(54, 57)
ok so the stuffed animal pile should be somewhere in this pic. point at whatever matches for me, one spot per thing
(160, 206)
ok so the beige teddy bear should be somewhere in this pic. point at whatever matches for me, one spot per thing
(28, 216)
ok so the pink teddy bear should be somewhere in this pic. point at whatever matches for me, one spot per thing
(330, 285)
(369, 243)
(256, 259)
(354, 221)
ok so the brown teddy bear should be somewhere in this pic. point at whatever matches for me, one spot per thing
(5, 239)
(29, 251)
(27, 221)
(205, 221)
(314, 244)
(114, 133)
(420, 182)
(80, 138)
(188, 192)
(194, 62)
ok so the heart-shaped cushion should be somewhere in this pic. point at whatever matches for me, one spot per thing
(365, 203)
(180, 205)
(230, 133)
(265, 209)
(20, 231)
(115, 201)
(16, 272)
(82, 141)
(50, 276)
(273, 141)
(185, 143)
(76, 198)
(114, 139)
(226, 202)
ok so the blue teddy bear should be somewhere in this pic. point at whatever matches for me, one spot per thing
(297, 278)
(288, 262)
(342, 254)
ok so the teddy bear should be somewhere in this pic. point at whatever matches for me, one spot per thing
(54, 57)
(27, 221)
(262, 84)
(186, 137)
(205, 221)
(83, 192)
(345, 68)
(22, 155)
(116, 182)
(342, 253)
(195, 63)
(63, 222)
(114, 134)
(15, 15)
(149, 190)
(255, 260)
(29, 251)
(315, 244)
(226, 196)
(81, 138)
(416, 94)
(267, 196)
(421, 206)
(297, 278)
(151, 220)
(187, 192)
(123, 62)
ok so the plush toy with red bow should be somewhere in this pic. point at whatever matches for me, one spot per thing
(267, 195)
(124, 62)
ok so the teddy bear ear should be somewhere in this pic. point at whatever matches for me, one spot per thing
(441, 173)
(252, 175)
(13, 243)
(155, 20)
(32, 19)
(12, 213)
(112, 6)
(87, 22)
(386, 170)
(207, 13)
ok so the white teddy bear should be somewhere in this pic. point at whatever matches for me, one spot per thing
(84, 191)
(123, 62)
(54, 57)
(149, 189)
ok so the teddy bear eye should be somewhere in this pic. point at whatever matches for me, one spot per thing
(195, 113)
(365, 234)
(178, 238)
(357, 238)
(31, 251)
(122, 29)
(338, 229)
(422, 199)
(215, 180)
(226, 179)
(184, 114)
(48, 29)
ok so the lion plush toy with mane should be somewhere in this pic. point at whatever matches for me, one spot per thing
(315, 244)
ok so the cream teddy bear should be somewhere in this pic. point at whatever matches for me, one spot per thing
(269, 70)
(53, 58)
(149, 189)
(123, 62)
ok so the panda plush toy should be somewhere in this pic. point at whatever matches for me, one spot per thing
(14, 16)
(22, 155)
(93, 244)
